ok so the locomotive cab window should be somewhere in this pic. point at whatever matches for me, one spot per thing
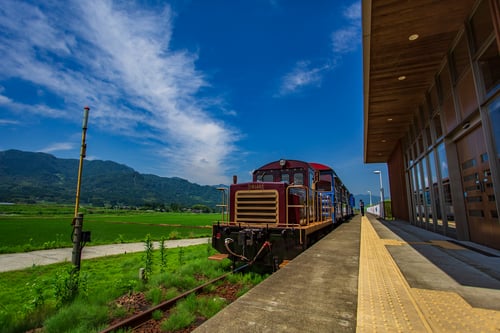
(265, 177)
(285, 178)
(324, 185)
(298, 179)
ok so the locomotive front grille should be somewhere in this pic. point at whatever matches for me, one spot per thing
(256, 206)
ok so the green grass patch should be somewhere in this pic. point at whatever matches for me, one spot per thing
(106, 279)
(33, 297)
(35, 227)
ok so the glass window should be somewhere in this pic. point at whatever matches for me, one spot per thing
(414, 190)
(268, 178)
(469, 164)
(298, 179)
(443, 162)
(432, 163)
(285, 178)
(460, 58)
(489, 66)
(420, 205)
(426, 178)
(481, 25)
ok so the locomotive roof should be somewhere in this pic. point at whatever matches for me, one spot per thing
(289, 165)
(320, 167)
(295, 164)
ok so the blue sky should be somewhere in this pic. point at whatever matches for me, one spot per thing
(196, 89)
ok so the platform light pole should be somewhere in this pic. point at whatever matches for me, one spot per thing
(78, 217)
(370, 192)
(382, 212)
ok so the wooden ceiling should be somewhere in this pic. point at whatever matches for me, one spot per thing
(388, 54)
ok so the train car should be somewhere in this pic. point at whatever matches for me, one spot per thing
(288, 206)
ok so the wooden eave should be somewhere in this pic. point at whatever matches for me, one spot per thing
(390, 104)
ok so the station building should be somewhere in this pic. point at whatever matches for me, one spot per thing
(432, 111)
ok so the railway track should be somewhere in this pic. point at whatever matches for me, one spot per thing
(136, 321)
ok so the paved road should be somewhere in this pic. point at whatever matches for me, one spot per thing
(16, 261)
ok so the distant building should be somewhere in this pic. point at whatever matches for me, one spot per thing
(432, 111)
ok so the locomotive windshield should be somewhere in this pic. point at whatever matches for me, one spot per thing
(287, 176)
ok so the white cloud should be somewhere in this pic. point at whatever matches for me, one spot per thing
(58, 147)
(5, 100)
(117, 59)
(344, 40)
(302, 75)
(348, 38)
(9, 122)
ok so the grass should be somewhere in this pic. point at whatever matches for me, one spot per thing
(35, 227)
(39, 296)
(28, 298)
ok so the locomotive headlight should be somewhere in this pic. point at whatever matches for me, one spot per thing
(282, 163)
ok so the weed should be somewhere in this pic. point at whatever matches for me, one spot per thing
(174, 235)
(157, 315)
(39, 297)
(127, 286)
(209, 306)
(178, 319)
(120, 239)
(181, 256)
(148, 258)
(163, 255)
(119, 312)
(154, 295)
(171, 293)
(78, 316)
(65, 285)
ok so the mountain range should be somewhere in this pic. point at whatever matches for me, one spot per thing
(29, 177)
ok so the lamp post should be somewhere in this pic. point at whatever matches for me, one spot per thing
(370, 192)
(382, 215)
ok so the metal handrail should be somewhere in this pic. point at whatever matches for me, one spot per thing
(224, 204)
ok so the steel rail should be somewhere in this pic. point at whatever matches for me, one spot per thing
(141, 318)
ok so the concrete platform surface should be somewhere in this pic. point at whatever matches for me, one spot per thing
(372, 275)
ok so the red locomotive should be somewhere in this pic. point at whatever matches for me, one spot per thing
(288, 206)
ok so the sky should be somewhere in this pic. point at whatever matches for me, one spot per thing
(196, 89)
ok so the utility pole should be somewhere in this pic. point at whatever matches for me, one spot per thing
(78, 217)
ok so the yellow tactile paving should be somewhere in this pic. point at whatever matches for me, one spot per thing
(386, 303)
(440, 243)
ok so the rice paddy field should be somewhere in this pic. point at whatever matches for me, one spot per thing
(34, 227)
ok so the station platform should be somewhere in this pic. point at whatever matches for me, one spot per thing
(371, 275)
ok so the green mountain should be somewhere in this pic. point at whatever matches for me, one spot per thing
(40, 177)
